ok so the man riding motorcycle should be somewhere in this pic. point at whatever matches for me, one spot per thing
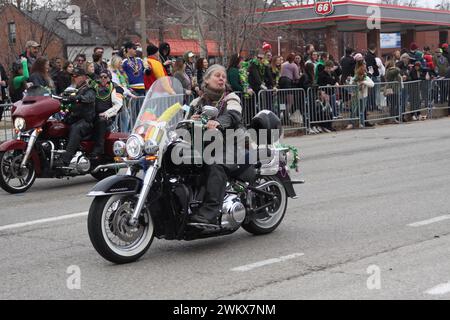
(108, 102)
(81, 117)
(230, 117)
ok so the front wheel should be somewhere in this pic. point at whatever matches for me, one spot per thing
(13, 178)
(111, 235)
(268, 221)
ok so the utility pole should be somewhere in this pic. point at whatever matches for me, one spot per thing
(143, 26)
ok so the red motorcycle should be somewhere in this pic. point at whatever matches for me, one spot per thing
(42, 137)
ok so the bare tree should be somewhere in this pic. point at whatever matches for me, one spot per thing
(44, 15)
(116, 16)
(407, 3)
(444, 5)
(234, 24)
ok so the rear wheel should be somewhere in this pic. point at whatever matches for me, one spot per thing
(13, 178)
(112, 236)
(272, 216)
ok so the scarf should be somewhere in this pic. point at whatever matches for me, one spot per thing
(212, 97)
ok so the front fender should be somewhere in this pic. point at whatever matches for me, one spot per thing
(21, 145)
(13, 145)
(116, 185)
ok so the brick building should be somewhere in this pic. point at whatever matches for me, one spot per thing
(60, 33)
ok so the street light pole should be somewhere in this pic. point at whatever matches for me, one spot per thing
(143, 26)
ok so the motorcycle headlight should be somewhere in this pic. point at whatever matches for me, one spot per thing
(135, 146)
(151, 148)
(19, 124)
(119, 148)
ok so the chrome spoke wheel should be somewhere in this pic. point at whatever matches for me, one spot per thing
(13, 177)
(122, 238)
(271, 216)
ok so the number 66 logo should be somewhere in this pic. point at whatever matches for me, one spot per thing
(324, 7)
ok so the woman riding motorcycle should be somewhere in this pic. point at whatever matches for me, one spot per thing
(216, 93)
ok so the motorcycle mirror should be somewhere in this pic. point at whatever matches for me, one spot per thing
(210, 112)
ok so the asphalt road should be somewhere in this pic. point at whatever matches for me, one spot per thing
(360, 229)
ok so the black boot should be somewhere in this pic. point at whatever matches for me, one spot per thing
(216, 180)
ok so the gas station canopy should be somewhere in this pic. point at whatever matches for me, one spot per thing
(354, 16)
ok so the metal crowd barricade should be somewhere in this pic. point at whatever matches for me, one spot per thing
(6, 125)
(188, 99)
(290, 105)
(126, 118)
(440, 95)
(318, 107)
(416, 98)
(127, 115)
(384, 102)
(249, 104)
(332, 104)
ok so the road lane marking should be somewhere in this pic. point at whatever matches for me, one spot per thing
(267, 262)
(42, 221)
(430, 221)
(440, 289)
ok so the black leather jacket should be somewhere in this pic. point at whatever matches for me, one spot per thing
(84, 106)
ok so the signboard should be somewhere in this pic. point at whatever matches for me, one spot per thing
(324, 7)
(189, 34)
(390, 40)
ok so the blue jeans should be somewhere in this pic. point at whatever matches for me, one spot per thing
(124, 119)
(362, 110)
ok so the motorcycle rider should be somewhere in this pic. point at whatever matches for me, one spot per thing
(81, 116)
(108, 102)
(216, 93)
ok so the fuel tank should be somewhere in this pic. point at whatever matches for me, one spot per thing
(56, 129)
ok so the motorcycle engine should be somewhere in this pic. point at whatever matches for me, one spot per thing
(80, 163)
(233, 212)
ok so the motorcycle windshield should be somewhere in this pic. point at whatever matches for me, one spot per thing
(37, 91)
(162, 107)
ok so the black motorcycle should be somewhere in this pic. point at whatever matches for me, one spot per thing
(128, 211)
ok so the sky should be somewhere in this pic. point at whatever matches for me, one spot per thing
(422, 3)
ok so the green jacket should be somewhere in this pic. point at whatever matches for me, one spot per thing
(319, 67)
(17, 81)
(234, 79)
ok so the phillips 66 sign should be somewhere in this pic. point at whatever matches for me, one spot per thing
(324, 7)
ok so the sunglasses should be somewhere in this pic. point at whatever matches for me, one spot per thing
(104, 77)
